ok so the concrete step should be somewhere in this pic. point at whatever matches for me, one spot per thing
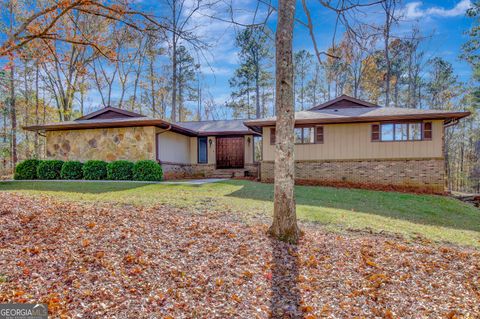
(228, 173)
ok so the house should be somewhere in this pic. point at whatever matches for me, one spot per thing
(350, 141)
(205, 148)
(345, 140)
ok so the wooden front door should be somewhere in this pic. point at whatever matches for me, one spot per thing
(230, 152)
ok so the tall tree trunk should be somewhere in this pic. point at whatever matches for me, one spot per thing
(13, 111)
(301, 92)
(174, 62)
(4, 135)
(152, 87)
(37, 153)
(180, 94)
(284, 224)
(388, 70)
(26, 118)
(199, 98)
(13, 114)
(389, 8)
(257, 90)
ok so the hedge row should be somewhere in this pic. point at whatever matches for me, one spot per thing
(146, 170)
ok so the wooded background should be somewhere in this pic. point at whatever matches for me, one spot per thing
(55, 53)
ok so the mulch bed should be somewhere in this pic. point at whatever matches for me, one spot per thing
(98, 261)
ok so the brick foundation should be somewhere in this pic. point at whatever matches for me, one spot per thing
(179, 171)
(423, 174)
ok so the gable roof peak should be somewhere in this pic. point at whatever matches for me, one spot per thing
(343, 101)
(109, 112)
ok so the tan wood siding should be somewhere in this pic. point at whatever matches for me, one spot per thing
(173, 147)
(212, 155)
(193, 150)
(353, 141)
(248, 149)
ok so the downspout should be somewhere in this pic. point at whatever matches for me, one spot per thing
(156, 141)
(454, 122)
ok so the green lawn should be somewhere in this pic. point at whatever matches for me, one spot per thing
(433, 217)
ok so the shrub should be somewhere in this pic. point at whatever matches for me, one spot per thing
(71, 170)
(147, 171)
(94, 170)
(120, 170)
(49, 169)
(26, 169)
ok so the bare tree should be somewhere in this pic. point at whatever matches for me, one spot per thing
(182, 13)
(13, 110)
(389, 7)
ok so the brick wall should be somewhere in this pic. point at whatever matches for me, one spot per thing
(427, 174)
(178, 170)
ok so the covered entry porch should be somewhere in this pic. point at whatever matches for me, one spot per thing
(222, 156)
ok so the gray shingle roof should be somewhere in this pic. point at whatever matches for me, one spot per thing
(357, 114)
(225, 126)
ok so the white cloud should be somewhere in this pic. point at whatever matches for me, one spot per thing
(413, 10)
(216, 70)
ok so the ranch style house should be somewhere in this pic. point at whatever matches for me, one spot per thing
(345, 140)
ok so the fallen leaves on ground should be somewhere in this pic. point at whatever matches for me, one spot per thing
(99, 261)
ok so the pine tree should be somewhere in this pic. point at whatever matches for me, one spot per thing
(249, 78)
(302, 61)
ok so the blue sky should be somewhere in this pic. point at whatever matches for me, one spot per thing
(444, 21)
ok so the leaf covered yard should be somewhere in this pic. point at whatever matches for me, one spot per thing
(101, 261)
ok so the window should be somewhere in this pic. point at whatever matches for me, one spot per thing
(304, 135)
(402, 131)
(386, 132)
(202, 150)
(415, 131)
(257, 149)
(308, 135)
(298, 132)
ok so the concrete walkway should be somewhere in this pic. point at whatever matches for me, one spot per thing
(196, 181)
(173, 182)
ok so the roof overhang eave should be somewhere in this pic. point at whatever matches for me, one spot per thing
(224, 133)
(83, 126)
(448, 117)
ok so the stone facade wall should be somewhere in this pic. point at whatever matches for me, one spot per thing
(425, 174)
(108, 144)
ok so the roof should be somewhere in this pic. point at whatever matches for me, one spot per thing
(220, 127)
(109, 112)
(109, 123)
(114, 117)
(344, 109)
(323, 114)
(343, 101)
